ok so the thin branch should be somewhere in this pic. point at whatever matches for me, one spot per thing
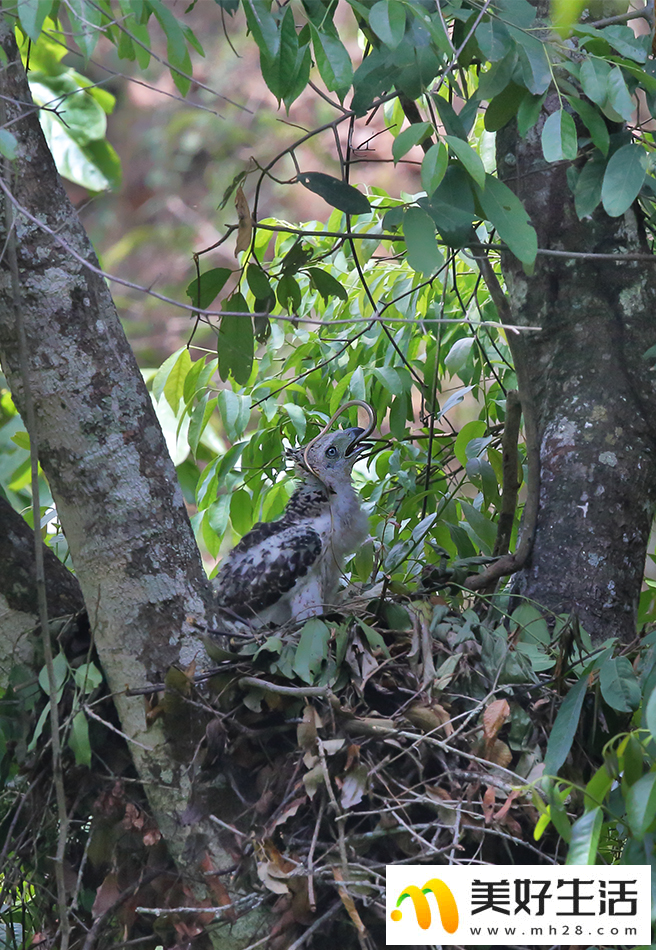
(514, 562)
(510, 479)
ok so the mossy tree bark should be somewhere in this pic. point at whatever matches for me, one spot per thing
(591, 391)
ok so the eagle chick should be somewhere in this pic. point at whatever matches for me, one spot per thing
(289, 569)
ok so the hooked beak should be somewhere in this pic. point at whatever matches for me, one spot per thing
(356, 446)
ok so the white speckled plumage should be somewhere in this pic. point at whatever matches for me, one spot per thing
(289, 569)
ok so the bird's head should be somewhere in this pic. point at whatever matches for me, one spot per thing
(330, 458)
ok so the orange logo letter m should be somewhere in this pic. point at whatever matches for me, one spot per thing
(446, 904)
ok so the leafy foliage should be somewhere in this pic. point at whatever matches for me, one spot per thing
(383, 302)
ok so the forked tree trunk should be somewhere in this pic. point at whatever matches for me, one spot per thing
(592, 392)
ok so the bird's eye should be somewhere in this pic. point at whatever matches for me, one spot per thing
(331, 452)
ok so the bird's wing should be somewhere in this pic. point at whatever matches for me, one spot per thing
(265, 565)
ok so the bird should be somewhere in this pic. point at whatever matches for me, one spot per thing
(289, 569)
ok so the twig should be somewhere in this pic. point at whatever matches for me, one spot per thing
(315, 926)
(285, 690)
(250, 900)
(310, 859)
(118, 732)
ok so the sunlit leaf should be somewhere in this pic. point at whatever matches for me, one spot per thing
(559, 141)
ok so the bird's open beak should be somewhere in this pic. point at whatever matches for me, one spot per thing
(356, 446)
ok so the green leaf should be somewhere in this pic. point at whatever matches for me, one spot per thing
(504, 106)
(32, 15)
(374, 639)
(333, 61)
(419, 230)
(85, 19)
(258, 282)
(466, 154)
(8, 143)
(587, 194)
(594, 79)
(83, 118)
(390, 379)
(471, 430)
(529, 112)
(263, 27)
(409, 138)
(78, 739)
(337, 193)
(619, 685)
(619, 98)
(564, 14)
(650, 714)
(312, 650)
(88, 677)
(493, 39)
(564, 728)
(301, 72)
(211, 284)
(508, 215)
(235, 344)
(433, 167)
(279, 72)
(289, 293)
(585, 838)
(327, 285)
(241, 511)
(61, 671)
(200, 416)
(298, 419)
(534, 61)
(623, 179)
(559, 140)
(594, 122)
(450, 119)
(174, 385)
(625, 41)
(641, 804)
(387, 20)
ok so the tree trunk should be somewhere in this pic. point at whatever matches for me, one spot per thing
(114, 484)
(592, 395)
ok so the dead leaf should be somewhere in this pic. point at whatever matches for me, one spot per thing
(313, 780)
(489, 800)
(152, 837)
(133, 819)
(354, 786)
(505, 808)
(289, 812)
(245, 228)
(498, 753)
(429, 718)
(494, 717)
(352, 756)
(106, 896)
(306, 731)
